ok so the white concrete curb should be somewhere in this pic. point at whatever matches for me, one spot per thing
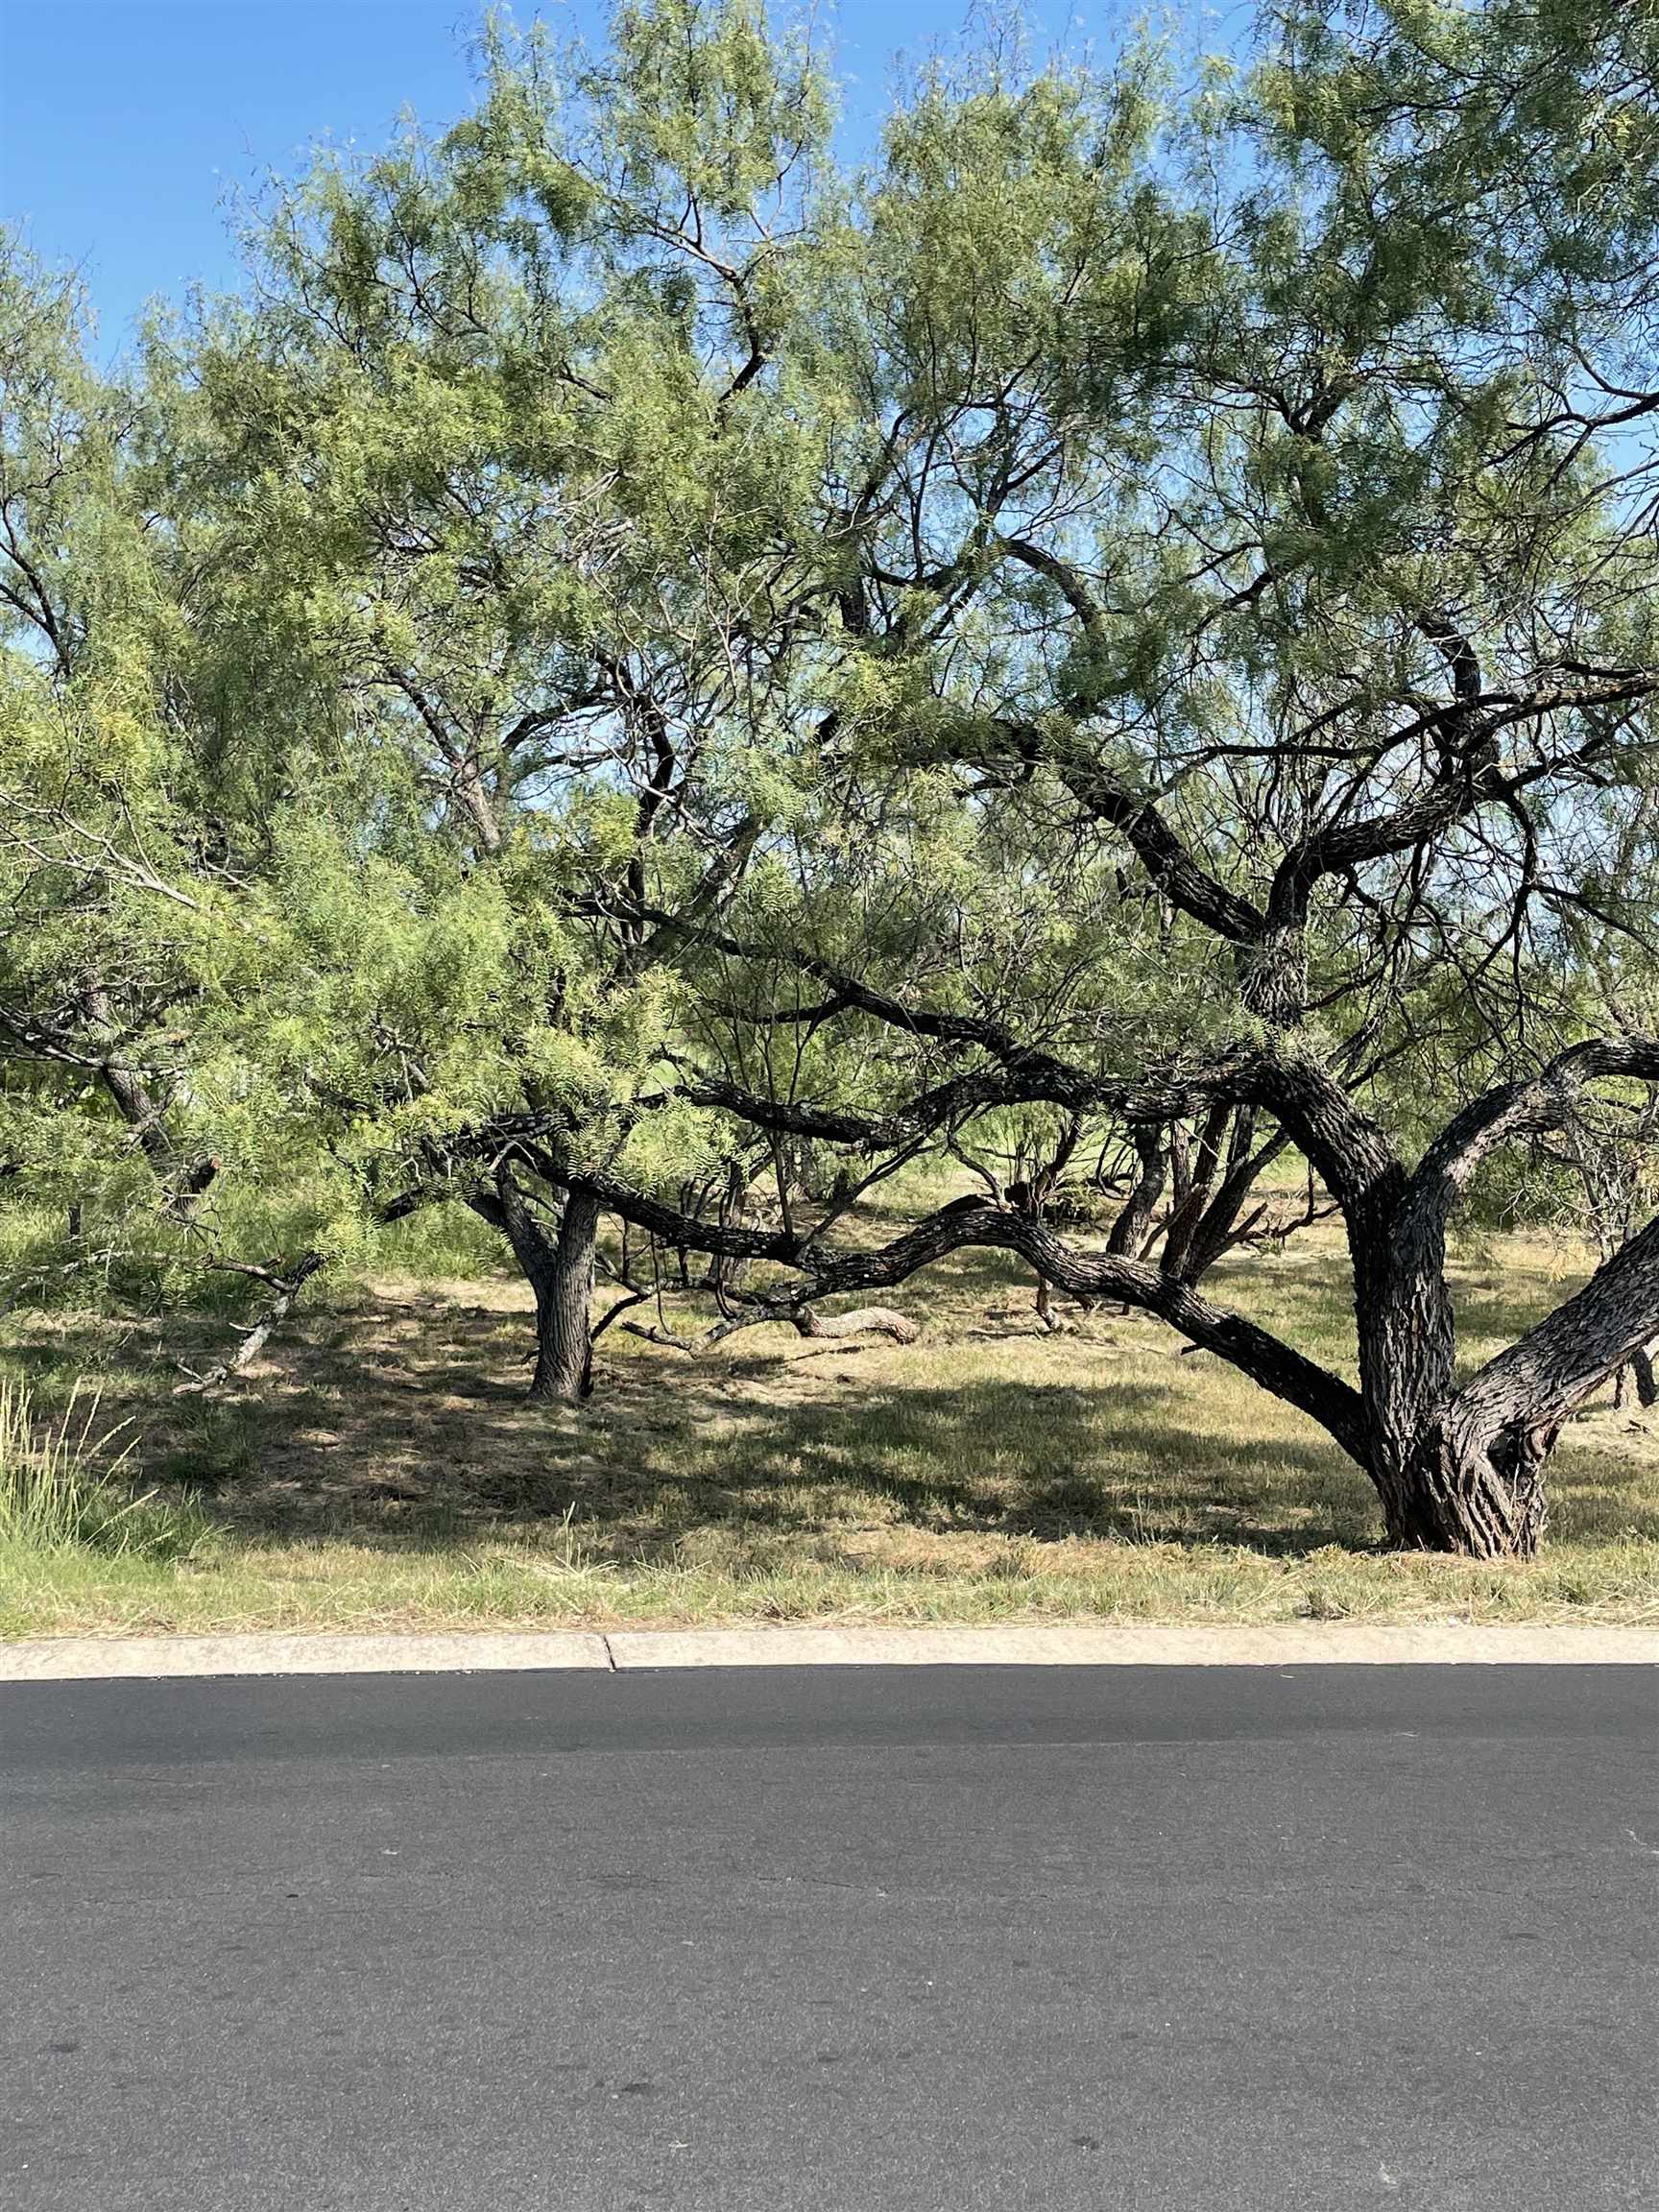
(1102, 1643)
(98, 1658)
(1060, 1643)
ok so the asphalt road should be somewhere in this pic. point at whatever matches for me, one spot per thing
(872, 1940)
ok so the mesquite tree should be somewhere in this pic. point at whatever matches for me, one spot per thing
(1141, 610)
(1299, 564)
(504, 486)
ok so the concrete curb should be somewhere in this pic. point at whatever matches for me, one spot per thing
(1101, 1644)
(1061, 1643)
(98, 1658)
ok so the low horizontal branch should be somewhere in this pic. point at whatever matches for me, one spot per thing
(1278, 1367)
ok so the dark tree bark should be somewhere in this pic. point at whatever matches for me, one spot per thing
(1461, 1468)
(1646, 1386)
(1194, 1182)
(563, 1287)
(559, 1269)
(1472, 1492)
(1132, 1226)
(1224, 1223)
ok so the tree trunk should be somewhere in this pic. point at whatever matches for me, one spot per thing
(1128, 1233)
(564, 1285)
(1479, 1474)
(560, 1272)
(724, 1273)
(1407, 1350)
(1194, 1199)
(1476, 1494)
(1458, 1472)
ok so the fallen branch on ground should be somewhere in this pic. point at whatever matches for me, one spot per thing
(255, 1340)
(862, 1321)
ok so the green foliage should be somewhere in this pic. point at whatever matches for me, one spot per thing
(615, 551)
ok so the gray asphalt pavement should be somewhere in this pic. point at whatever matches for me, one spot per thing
(860, 1940)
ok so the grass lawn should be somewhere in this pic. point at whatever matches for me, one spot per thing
(381, 1468)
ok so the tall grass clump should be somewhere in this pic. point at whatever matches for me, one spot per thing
(60, 1488)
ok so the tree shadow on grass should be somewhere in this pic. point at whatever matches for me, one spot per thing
(1051, 1461)
(401, 1422)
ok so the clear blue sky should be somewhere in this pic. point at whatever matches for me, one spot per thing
(123, 123)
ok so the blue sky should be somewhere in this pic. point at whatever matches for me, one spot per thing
(123, 123)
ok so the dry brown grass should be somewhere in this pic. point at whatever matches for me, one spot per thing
(382, 1466)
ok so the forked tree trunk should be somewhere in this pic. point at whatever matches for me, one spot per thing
(1457, 1471)
(560, 1272)
(1480, 1496)
(563, 1282)
(1461, 1467)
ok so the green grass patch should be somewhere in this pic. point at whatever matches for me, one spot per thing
(382, 1468)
